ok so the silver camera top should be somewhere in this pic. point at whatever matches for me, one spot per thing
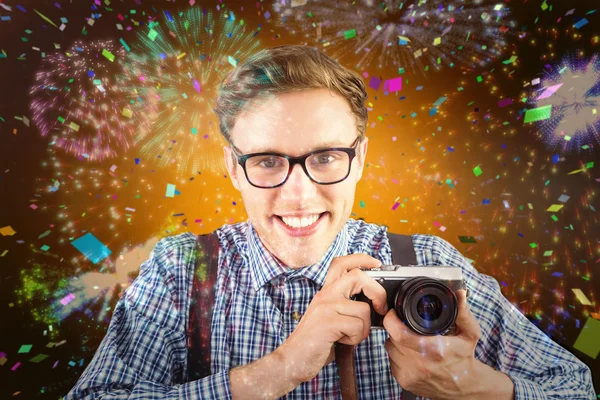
(411, 271)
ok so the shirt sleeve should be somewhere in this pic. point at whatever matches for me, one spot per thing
(510, 343)
(143, 355)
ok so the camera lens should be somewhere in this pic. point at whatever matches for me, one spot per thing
(426, 305)
(429, 307)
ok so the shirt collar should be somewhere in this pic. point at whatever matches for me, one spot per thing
(264, 267)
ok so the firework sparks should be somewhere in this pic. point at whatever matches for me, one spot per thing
(75, 101)
(86, 196)
(182, 61)
(56, 294)
(407, 35)
(568, 100)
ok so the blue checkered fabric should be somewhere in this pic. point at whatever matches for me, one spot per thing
(144, 352)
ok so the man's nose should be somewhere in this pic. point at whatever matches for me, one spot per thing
(298, 184)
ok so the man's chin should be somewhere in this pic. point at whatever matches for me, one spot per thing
(299, 263)
(295, 252)
(299, 256)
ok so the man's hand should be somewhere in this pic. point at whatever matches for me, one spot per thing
(331, 316)
(440, 367)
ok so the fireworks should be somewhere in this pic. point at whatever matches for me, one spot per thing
(130, 125)
(123, 204)
(56, 294)
(75, 101)
(92, 197)
(567, 99)
(182, 61)
(409, 35)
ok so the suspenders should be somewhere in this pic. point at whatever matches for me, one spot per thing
(203, 298)
(201, 306)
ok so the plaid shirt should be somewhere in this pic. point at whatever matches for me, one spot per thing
(144, 353)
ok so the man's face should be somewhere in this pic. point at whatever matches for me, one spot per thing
(295, 124)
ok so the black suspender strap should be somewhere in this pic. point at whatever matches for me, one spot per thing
(202, 302)
(403, 251)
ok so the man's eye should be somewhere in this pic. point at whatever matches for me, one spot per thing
(270, 162)
(325, 158)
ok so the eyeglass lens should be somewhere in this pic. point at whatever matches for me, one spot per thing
(323, 167)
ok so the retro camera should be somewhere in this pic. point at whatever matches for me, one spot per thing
(423, 296)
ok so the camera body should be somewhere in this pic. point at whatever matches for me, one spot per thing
(423, 296)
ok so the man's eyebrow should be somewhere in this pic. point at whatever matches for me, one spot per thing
(321, 146)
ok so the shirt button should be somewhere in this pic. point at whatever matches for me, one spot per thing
(296, 316)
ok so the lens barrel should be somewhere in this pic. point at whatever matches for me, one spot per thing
(426, 305)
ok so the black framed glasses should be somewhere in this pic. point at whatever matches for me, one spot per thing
(270, 170)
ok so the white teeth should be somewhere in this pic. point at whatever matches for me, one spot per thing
(295, 222)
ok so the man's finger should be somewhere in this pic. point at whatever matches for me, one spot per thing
(352, 330)
(401, 334)
(357, 309)
(341, 265)
(465, 320)
(357, 281)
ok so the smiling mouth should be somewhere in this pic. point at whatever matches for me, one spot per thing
(299, 223)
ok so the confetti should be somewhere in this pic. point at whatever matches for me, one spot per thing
(581, 297)
(555, 208)
(25, 348)
(91, 248)
(538, 114)
(67, 299)
(467, 239)
(587, 342)
(38, 358)
(549, 91)
(108, 55)
(393, 85)
(45, 18)
(170, 190)
(152, 34)
(582, 22)
(7, 231)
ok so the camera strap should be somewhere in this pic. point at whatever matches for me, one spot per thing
(202, 303)
(403, 253)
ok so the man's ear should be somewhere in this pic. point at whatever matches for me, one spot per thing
(231, 166)
(361, 155)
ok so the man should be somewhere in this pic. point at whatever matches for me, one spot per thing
(287, 274)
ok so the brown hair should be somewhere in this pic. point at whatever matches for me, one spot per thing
(284, 69)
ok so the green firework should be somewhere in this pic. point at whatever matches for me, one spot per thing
(181, 61)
